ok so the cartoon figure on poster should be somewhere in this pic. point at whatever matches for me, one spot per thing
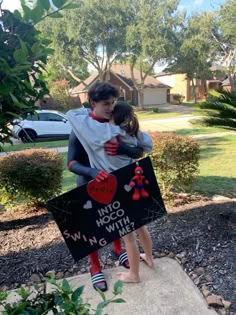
(137, 182)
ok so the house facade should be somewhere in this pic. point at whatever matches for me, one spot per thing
(155, 92)
(226, 85)
(180, 85)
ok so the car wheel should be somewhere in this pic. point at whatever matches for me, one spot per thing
(27, 136)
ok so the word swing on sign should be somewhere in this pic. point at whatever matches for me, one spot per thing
(93, 215)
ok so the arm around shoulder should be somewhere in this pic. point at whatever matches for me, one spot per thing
(75, 155)
(145, 141)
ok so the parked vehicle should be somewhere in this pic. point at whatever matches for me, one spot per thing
(42, 124)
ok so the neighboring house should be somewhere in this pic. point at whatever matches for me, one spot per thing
(155, 92)
(226, 85)
(179, 85)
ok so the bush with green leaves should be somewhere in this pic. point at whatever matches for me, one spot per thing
(179, 98)
(62, 301)
(129, 102)
(61, 95)
(33, 174)
(86, 104)
(155, 110)
(220, 108)
(175, 160)
(23, 57)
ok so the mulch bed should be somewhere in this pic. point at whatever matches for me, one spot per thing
(200, 235)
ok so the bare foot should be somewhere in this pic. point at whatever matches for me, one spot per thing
(127, 277)
(148, 260)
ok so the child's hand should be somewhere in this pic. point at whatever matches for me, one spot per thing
(111, 147)
(101, 176)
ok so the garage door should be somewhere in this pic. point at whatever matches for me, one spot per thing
(155, 96)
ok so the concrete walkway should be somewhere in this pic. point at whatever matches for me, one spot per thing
(165, 290)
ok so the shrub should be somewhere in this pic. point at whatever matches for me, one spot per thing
(64, 300)
(220, 108)
(51, 103)
(61, 95)
(175, 160)
(34, 174)
(178, 98)
(86, 104)
(155, 110)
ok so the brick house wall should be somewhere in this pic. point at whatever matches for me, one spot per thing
(123, 88)
(127, 92)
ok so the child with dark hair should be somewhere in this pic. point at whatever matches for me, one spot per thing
(123, 126)
(123, 115)
(102, 91)
(102, 104)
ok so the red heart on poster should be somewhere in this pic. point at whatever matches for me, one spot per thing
(104, 191)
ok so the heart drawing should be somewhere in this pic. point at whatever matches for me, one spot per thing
(88, 205)
(127, 188)
(104, 191)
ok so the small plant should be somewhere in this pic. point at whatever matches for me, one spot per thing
(33, 174)
(86, 104)
(61, 96)
(62, 301)
(179, 98)
(175, 160)
(129, 102)
(155, 110)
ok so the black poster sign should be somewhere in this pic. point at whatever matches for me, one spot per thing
(93, 215)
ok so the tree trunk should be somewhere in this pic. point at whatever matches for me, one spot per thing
(101, 75)
(139, 87)
(232, 81)
(140, 98)
(194, 92)
(108, 71)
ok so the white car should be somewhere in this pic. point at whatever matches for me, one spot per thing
(42, 124)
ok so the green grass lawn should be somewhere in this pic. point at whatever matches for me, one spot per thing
(197, 111)
(41, 144)
(69, 179)
(217, 167)
(150, 114)
(192, 104)
(197, 130)
(179, 126)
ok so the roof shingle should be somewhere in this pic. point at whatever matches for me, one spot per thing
(124, 73)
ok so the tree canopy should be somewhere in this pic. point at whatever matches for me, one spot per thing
(195, 49)
(23, 58)
(65, 63)
(225, 37)
(206, 38)
(97, 30)
(151, 36)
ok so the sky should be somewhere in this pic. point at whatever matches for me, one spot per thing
(11, 4)
(189, 5)
(200, 5)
